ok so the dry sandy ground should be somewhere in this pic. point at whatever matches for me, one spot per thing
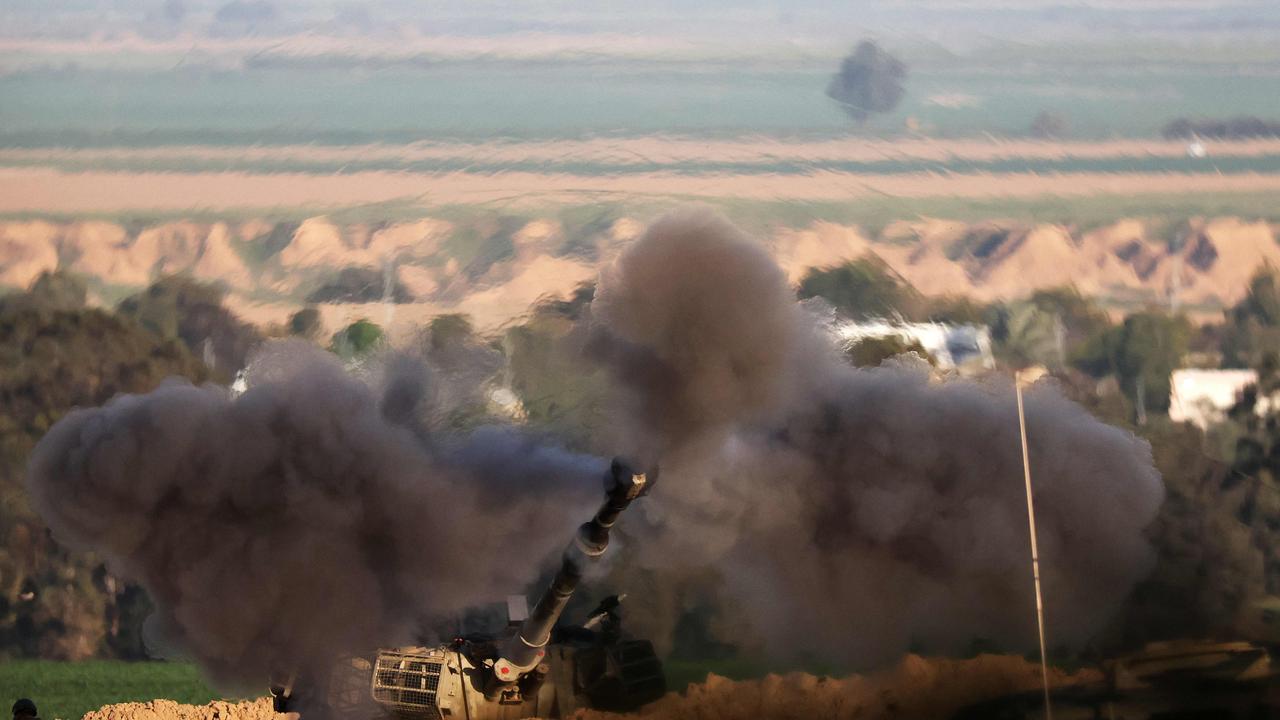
(43, 190)
(170, 710)
(918, 689)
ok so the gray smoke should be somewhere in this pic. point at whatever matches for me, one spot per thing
(300, 521)
(822, 511)
(842, 514)
(703, 345)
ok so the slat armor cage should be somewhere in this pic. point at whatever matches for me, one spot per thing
(407, 683)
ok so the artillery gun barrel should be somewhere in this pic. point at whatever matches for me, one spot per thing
(525, 650)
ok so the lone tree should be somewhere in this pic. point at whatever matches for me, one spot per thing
(306, 323)
(356, 339)
(1050, 125)
(869, 81)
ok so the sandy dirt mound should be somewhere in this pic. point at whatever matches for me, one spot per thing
(417, 240)
(1117, 234)
(917, 250)
(169, 710)
(104, 250)
(26, 250)
(625, 229)
(101, 249)
(168, 248)
(1046, 256)
(536, 238)
(316, 243)
(219, 261)
(1222, 254)
(252, 229)
(1123, 248)
(544, 276)
(537, 232)
(420, 281)
(918, 689)
(930, 231)
(820, 245)
(928, 269)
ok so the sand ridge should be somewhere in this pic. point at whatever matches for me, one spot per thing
(1206, 263)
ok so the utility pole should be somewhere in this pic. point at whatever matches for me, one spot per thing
(1019, 379)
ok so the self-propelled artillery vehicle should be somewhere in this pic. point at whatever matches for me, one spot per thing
(535, 669)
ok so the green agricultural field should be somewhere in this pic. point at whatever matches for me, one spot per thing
(1101, 91)
(68, 690)
(870, 213)
(1085, 212)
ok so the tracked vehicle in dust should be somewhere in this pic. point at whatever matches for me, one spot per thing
(535, 669)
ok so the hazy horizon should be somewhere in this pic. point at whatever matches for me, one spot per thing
(808, 24)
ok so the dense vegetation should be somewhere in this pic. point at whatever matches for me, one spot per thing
(184, 309)
(57, 354)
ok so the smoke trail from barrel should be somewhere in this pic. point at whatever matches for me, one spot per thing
(850, 514)
(298, 522)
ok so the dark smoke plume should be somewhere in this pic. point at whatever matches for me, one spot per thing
(704, 344)
(821, 511)
(844, 514)
(298, 522)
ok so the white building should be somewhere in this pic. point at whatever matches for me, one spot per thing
(1202, 397)
(964, 348)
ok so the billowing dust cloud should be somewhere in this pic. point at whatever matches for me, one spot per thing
(844, 514)
(705, 344)
(298, 521)
(819, 511)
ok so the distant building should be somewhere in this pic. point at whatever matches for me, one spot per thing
(1203, 397)
(240, 384)
(963, 348)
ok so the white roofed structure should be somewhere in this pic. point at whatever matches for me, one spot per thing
(1203, 397)
(965, 348)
